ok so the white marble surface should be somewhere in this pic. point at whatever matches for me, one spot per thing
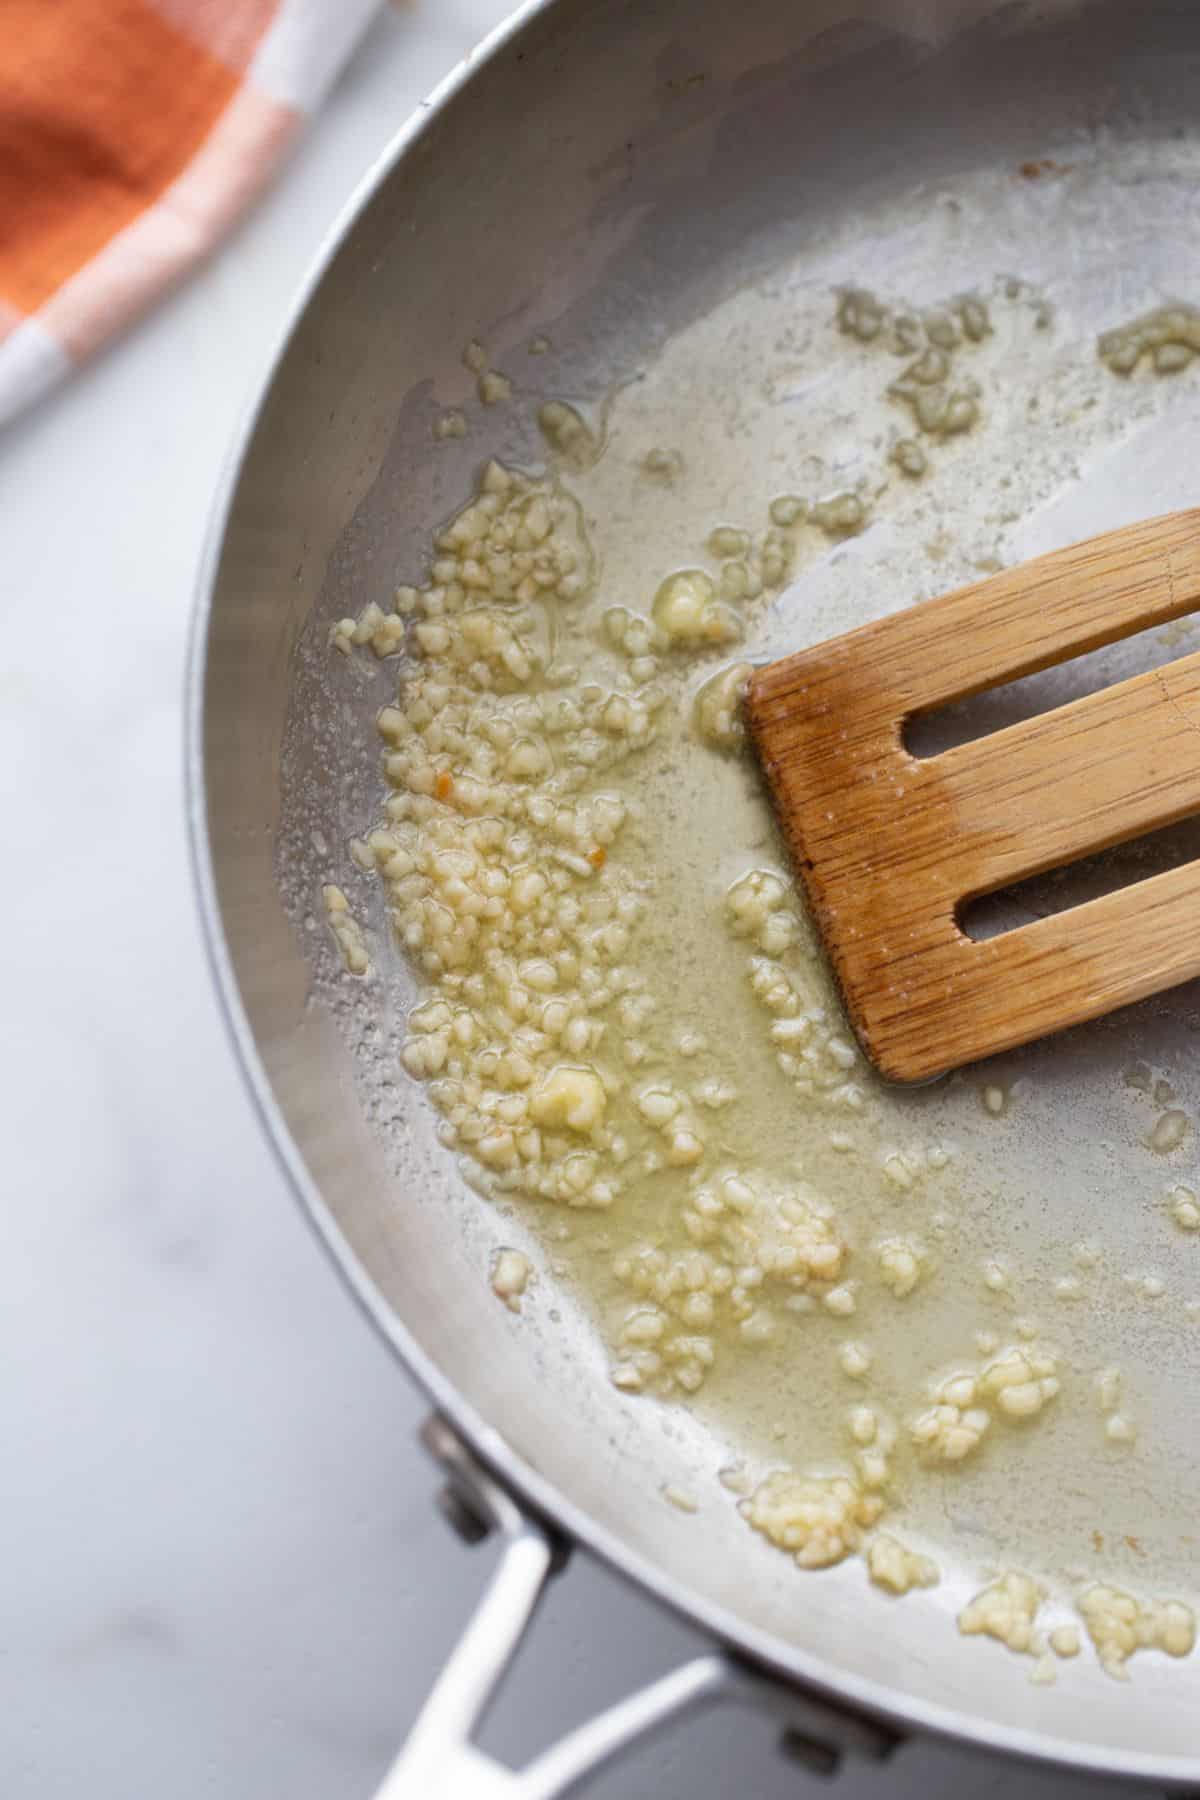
(223, 1575)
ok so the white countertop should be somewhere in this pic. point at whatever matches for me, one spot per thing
(223, 1574)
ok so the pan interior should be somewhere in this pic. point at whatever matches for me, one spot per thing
(688, 196)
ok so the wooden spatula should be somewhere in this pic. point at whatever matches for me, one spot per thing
(890, 847)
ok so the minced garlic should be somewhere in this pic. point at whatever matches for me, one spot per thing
(1119, 1625)
(494, 388)
(346, 930)
(819, 1519)
(855, 1360)
(754, 1243)
(899, 1265)
(1168, 1132)
(567, 1097)
(510, 1277)
(716, 711)
(515, 856)
(1005, 1611)
(1017, 1384)
(1020, 1382)
(1169, 338)
(949, 1432)
(1185, 1209)
(567, 432)
(896, 1569)
(687, 611)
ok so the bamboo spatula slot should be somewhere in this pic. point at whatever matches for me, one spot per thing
(890, 847)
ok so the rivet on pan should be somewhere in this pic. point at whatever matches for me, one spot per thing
(466, 1519)
(818, 1757)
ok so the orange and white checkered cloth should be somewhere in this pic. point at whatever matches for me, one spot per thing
(132, 134)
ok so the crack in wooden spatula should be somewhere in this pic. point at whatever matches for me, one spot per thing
(891, 847)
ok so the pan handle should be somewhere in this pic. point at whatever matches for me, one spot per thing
(439, 1761)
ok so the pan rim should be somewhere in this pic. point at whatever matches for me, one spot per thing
(786, 1663)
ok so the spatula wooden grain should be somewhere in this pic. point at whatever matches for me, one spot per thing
(890, 847)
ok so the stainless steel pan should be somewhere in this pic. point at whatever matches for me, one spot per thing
(612, 170)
